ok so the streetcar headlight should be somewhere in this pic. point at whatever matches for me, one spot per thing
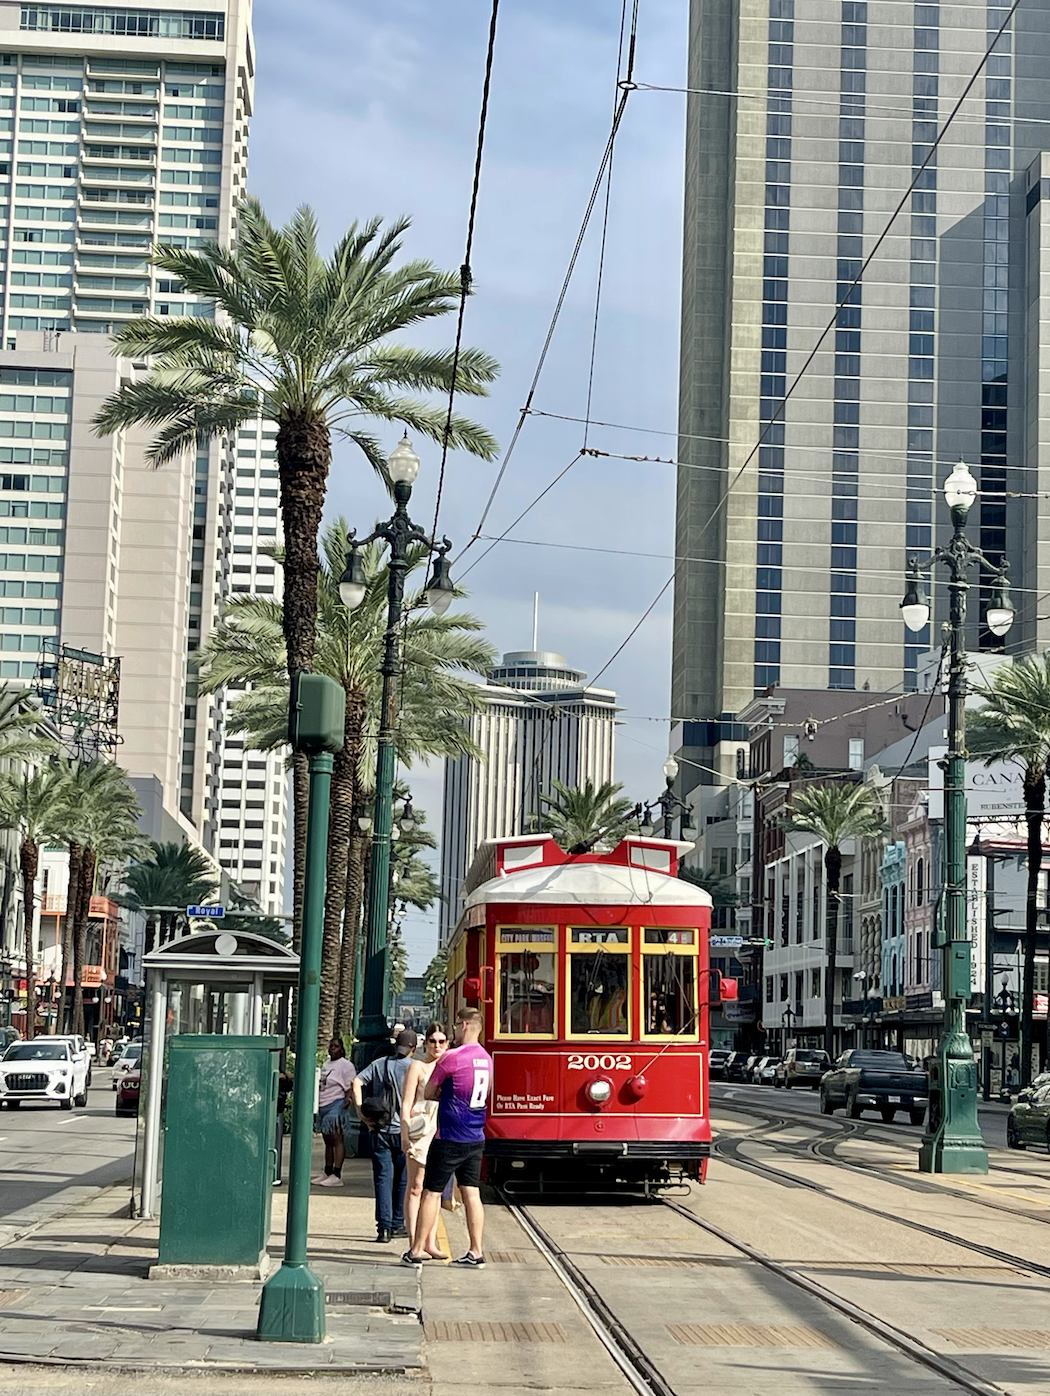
(600, 1091)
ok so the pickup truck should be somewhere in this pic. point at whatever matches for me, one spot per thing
(864, 1079)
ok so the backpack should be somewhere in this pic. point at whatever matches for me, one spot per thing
(382, 1104)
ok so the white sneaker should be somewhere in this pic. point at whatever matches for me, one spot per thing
(330, 1182)
(319, 1177)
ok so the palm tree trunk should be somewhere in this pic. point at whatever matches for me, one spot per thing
(833, 872)
(355, 886)
(304, 455)
(300, 811)
(340, 821)
(29, 856)
(80, 929)
(1035, 809)
(76, 853)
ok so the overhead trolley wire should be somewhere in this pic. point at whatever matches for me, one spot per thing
(626, 86)
(466, 275)
(844, 299)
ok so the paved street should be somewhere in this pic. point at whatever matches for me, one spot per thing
(992, 1117)
(44, 1150)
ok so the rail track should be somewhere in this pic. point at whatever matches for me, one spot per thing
(645, 1377)
(826, 1148)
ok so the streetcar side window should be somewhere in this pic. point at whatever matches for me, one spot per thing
(525, 978)
(599, 982)
(669, 983)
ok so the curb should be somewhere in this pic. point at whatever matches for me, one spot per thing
(202, 1368)
(17, 1225)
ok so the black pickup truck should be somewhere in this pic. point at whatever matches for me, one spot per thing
(863, 1079)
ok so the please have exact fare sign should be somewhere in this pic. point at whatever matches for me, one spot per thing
(523, 1102)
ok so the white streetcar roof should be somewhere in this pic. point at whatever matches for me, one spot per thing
(578, 884)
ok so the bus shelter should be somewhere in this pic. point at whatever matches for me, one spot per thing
(213, 982)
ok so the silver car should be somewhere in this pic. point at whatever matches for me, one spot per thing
(1029, 1120)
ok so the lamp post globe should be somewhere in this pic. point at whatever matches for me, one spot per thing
(960, 489)
(403, 463)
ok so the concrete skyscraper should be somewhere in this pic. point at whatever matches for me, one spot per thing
(807, 122)
(121, 127)
(540, 722)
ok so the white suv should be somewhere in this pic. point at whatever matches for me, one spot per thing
(81, 1049)
(44, 1069)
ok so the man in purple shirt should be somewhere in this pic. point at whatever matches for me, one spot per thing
(461, 1083)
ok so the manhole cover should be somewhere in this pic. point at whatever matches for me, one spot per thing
(495, 1331)
(374, 1299)
(747, 1335)
(1017, 1339)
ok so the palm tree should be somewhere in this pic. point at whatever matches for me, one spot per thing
(248, 649)
(100, 815)
(720, 886)
(31, 804)
(1014, 725)
(833, 814)
(308, 344)
(170, 875)
(587, 816)
(434, 981)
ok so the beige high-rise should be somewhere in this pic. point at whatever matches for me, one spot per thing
(121, 127)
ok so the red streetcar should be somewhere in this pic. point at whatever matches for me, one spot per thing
(592, 973)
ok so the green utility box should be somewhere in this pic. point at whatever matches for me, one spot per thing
(219, 1164)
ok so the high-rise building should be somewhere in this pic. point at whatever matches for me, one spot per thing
(807, 122)
(121, 127)
(540, 722)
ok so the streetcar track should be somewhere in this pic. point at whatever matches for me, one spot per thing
(826, 1150)
(904, 1343)
(642, 1373)
(728, 1152)
(632, 1361)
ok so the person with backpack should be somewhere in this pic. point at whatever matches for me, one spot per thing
(378, 1091)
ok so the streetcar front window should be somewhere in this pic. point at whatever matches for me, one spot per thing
(669, 983)
(598, 984)
(526, 992)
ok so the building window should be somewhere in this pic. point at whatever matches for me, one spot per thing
(769, 988)
(856, 753)
(783, 987)
(920, 869)
(798, 986)
(790, 752)
(814, 983)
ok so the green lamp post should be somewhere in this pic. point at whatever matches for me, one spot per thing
(953, 1142)
(292, 1306)
(400, 533)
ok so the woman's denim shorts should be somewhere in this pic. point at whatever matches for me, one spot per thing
(332, 1118)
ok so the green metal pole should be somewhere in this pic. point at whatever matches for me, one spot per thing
(292, 1307)
(373, 1028)
(953, 1142)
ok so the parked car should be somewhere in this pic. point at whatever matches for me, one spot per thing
(802, 1066)
(128, 1060)
(7, 1036)
(81, 1048)
(716, 1063)
(1029, 1120)
(739, 1066)
(865, 1079)
(45, 1069)
(762, 1074)
(128, 1088)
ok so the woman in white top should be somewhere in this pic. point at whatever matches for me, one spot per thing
(337, 1074)
(418, 1127)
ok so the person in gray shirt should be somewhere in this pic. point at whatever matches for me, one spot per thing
(378, 1092)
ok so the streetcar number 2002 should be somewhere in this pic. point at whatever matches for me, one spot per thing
(578, 1062)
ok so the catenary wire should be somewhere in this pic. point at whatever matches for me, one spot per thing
(808, 361)
(626, 87)
(465, 273)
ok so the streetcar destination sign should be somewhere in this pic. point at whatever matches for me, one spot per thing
(215, 913)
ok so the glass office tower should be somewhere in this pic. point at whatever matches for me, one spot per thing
(807, 122)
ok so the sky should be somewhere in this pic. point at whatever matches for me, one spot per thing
(366, 109)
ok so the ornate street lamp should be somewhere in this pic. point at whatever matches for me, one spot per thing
(667, 806)
(400, 533)
(953, 1142)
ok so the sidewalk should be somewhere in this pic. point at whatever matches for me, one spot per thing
(73, 1290)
